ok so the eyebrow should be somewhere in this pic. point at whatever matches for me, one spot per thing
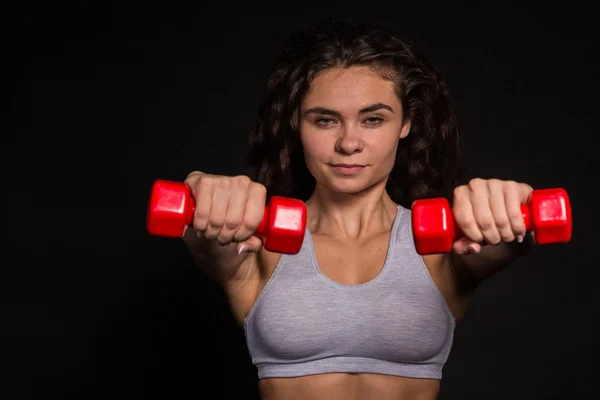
(368, 109)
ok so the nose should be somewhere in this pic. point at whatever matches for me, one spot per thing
(349, 141)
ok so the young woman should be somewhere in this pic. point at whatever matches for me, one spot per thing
(358, 125)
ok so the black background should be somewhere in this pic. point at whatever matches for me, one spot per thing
(105, 98)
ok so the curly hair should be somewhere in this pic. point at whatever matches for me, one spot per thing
(428, 161)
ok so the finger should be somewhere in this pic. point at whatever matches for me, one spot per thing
(465, 245)
(484, 218)
(252, 245)
(220, 202)
(499, 211)
(203, 194)
(465, 218)
(525, 192)
(234, 216)
(513, 199)
(253, 213)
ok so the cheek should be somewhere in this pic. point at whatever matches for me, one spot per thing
(384, 146)
(390, 151)
(384, 153)
(314, 147)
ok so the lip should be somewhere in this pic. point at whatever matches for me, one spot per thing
(348, 169)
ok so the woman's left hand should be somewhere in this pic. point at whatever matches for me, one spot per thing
(489, 210)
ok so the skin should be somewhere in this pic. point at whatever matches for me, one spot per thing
(351, 116)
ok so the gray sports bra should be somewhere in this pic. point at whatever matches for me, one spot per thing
(305, 323)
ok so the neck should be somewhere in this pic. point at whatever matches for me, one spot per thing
(350, 215)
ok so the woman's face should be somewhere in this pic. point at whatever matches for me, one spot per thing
(350, 124)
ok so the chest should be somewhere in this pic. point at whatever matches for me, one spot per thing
(351, 264)
(301, 317)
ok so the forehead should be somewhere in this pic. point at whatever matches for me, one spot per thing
(349, 89)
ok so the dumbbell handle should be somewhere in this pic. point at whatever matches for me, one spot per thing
(527, 218)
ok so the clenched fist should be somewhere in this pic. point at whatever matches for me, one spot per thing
(489, 210)
(228, 209)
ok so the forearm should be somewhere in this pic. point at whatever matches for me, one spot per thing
(492, 259)
(219, 262)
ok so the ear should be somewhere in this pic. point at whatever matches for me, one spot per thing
(405, 128)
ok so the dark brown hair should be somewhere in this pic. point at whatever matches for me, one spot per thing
(428, 161)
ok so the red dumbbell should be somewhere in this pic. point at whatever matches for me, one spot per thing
(548, 216)
(171, 211)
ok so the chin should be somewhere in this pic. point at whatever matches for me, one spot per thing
(350, 185)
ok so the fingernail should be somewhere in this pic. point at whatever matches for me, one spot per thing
(241, 249)
(473, 248)
(519, 238)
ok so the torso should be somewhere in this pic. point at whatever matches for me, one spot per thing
(347, 264)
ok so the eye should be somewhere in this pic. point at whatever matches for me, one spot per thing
(324, 121)
(374, 120)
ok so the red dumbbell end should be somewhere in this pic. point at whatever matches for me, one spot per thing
(170, 209)
(433, 226)
(284, 225)
(551, 216)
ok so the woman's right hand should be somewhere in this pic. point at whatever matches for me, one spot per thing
(228, 209)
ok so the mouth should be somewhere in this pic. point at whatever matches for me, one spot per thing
(348, 169)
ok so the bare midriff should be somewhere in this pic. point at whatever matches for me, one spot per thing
(348, 387)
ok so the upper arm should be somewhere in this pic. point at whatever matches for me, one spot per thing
(241, 276)
(457, 276)
(449, 282)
